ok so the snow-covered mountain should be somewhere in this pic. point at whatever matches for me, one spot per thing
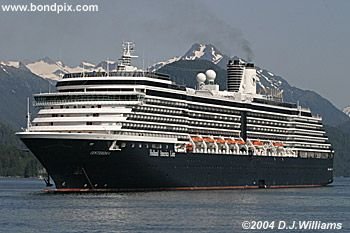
(112, 65)
(54, 70)
(17, 83)
(346, 110)
(204, 51)
(197, 51)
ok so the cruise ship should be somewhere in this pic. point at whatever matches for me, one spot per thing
(133, 130)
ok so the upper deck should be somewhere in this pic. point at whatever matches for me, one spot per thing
(94, 74)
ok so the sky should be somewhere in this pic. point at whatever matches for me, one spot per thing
(305, 42)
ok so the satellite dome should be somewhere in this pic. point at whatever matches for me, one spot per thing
(201, 77)
(211, 75)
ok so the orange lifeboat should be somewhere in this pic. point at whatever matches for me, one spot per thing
(207, 139)
(258, 143)
(230, 141)
(240, 142)
(220, 140)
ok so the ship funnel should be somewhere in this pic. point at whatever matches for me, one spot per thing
(235, 71)
(241, 77)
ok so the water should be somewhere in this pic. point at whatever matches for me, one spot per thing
(25, 208)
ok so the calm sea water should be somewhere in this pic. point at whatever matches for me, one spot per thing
(25, 208)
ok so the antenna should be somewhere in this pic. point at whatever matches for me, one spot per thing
(143, 62)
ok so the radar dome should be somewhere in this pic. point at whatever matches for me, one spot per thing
(201, 77)
(211, 75)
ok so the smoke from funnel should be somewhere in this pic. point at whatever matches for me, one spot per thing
(190, 22)
(247, 49)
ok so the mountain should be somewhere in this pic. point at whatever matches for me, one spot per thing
(15, 161)
(205, 52)
(198, 51)
(319, 105)
(346, 110)
(112, 65)
(16, 84)
(54, 70)
(341, 144)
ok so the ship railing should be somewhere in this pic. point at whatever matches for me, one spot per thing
(117, 74)
(115, 102)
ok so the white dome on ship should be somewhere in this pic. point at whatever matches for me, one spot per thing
(201, 77)
(211, 75)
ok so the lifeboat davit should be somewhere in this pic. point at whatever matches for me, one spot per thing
(189, 147)
(277, 144)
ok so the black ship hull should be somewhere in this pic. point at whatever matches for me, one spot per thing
(89, 165)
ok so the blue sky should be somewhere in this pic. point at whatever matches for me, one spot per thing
(306, 42)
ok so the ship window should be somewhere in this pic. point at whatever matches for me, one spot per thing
(89, 123)
(95, 114)
(83, 106)
(133, 145)
(98, 106)
(51, 123)
(140, 145)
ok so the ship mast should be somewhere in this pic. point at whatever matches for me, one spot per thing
(128, 50)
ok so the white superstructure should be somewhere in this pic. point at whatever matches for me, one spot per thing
(141, 106)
